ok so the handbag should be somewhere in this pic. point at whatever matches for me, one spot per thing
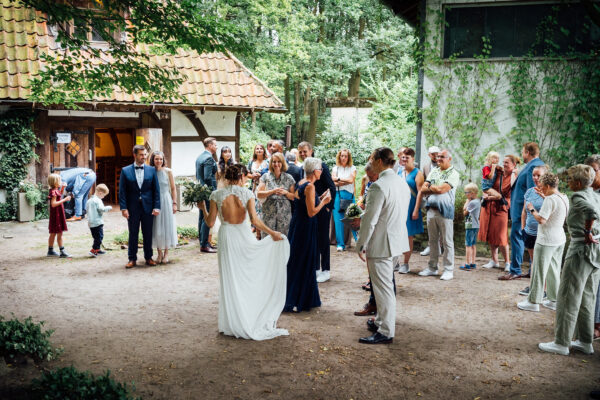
(344, 203)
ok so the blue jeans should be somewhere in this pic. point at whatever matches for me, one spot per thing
(79, 182)
(517, 247)
(338, 215)
(203, 229)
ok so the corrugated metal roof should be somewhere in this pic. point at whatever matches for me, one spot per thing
(210, 79)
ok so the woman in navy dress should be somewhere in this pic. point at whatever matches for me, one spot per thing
(302, 289)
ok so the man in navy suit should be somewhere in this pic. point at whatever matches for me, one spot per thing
(305, 150)
(139, 199)
(206, 168)
(294, 170)
(530, 153)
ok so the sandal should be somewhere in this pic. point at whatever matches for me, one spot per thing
(367, 286)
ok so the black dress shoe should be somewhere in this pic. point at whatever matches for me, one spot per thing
(371, 325)
(376, 338)
(207, 249)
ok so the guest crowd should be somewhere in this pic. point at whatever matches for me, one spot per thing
(520, 209)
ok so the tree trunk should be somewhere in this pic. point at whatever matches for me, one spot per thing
(354, 84)
(305, 113)
(297, 111)
(287, 98)
(311, 135)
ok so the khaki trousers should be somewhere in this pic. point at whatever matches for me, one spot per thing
(381, 272)
(576, 301)
(546, 269)
(441, 231)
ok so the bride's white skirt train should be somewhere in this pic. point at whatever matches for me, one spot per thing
(252, 278)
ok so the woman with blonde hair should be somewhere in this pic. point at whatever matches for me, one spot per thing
(276, 188)
(343, 175)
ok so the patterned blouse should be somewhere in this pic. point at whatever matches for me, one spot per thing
(277, 209)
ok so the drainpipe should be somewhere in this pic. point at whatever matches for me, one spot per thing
(421, 76)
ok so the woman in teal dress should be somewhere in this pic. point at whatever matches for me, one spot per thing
(414, 222)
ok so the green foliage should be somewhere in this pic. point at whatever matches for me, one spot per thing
(81, 72)
(17, 142)
(249, 137)
(69, 383)
(187, 232)
(195, 192)
(8, 210)
(37, 196)
(26, 339)
(331, 142)
(183, 233)
(123, 238)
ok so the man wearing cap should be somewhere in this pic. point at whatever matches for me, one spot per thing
(429, 165)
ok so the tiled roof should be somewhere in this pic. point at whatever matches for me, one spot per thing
(210, 79)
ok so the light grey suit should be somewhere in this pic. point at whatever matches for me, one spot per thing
(383, 235)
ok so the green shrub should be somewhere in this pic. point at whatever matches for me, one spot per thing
(183, 232)
(18, 339)
(69, 383)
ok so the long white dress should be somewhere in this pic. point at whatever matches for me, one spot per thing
(164, 228)
(252, 276)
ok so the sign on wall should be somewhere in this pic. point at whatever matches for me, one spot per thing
(63, 137)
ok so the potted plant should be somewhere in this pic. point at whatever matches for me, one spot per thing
(19, 340)
(27, 197)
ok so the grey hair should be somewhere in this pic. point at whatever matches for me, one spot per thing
(544, 167)
(447, 151)
(593, 159)
(368, 166)
(583, 174)
(311, 164)
(549, 179)
(290, 157)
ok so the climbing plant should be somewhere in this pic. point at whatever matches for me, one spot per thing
(17, 142)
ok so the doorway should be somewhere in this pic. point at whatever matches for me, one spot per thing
(113, 152)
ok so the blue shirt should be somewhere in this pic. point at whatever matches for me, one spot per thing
(531, 224)
(524, 181)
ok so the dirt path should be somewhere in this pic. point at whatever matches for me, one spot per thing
(461, 339)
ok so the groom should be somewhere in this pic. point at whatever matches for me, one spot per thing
(139, 199)
(206, 168)
(382, 236)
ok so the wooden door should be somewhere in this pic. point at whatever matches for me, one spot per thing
(79, 152)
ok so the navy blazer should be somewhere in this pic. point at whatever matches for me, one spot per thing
(295, 171)
(517, 195)
(130, 193)
(324, 183)
(206, 168)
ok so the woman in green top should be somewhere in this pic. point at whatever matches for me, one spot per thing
(581, 270)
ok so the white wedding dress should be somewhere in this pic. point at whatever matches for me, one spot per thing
(252, 275)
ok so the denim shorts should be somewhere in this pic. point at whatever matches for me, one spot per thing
(471, 236)
(529, 240)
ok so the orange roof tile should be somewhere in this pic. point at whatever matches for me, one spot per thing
(210, 79)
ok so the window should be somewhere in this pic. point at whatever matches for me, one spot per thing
(519, 30)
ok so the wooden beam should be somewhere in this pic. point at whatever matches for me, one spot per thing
(181, 139)
(165, 124)
(78, 122)
(238, 119)
(42, 131)
(198, 125)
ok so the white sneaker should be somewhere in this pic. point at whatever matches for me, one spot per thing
(340, 249)
(425, 252)
(323, 277)
(527, 306)
(396, 267)
(549, 304)
(447, 275)
(507, 267)
(404, 269)
(490, 264)
(585, 348)
(552, 347)
(428, 272)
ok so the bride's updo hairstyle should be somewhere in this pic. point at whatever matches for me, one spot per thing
(311, 164)
(385, 154)
(233, 173)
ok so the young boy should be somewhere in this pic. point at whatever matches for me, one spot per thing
(471, 212)
(95, 208)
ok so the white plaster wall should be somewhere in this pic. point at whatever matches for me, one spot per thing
(218, 123)
(350, 119)
(185, 154)
(180, 125)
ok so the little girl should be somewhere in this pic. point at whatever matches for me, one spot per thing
(489, 173)
(58, 221)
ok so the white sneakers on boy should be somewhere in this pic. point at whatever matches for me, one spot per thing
(403, 269)
(549, 304)
(552, 347)
(507, 267)
(428, 272)
(447, 275)
(585, 348)
(323, 276)
(490, 264)
(527, 306)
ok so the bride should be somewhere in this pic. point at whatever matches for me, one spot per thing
(252, 273)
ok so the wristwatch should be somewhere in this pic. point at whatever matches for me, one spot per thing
(531, 210)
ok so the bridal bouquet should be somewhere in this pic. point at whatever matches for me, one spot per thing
(195, 193)
(353, 211)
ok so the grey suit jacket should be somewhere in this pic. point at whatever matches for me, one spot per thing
(383, 231)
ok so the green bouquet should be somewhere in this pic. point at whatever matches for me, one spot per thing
(353, 211)
(195, 193)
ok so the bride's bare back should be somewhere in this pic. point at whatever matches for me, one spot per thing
(233, 210)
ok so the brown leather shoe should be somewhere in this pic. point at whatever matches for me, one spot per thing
(151, 263)
(509, 277)
(207, 250)
(130, 264)
(368, 309)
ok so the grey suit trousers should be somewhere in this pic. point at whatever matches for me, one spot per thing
(381, 272)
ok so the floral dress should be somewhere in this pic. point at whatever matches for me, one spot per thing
(277, 209)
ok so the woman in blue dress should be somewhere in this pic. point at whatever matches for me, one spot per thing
(414, 222)
(302, 288)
